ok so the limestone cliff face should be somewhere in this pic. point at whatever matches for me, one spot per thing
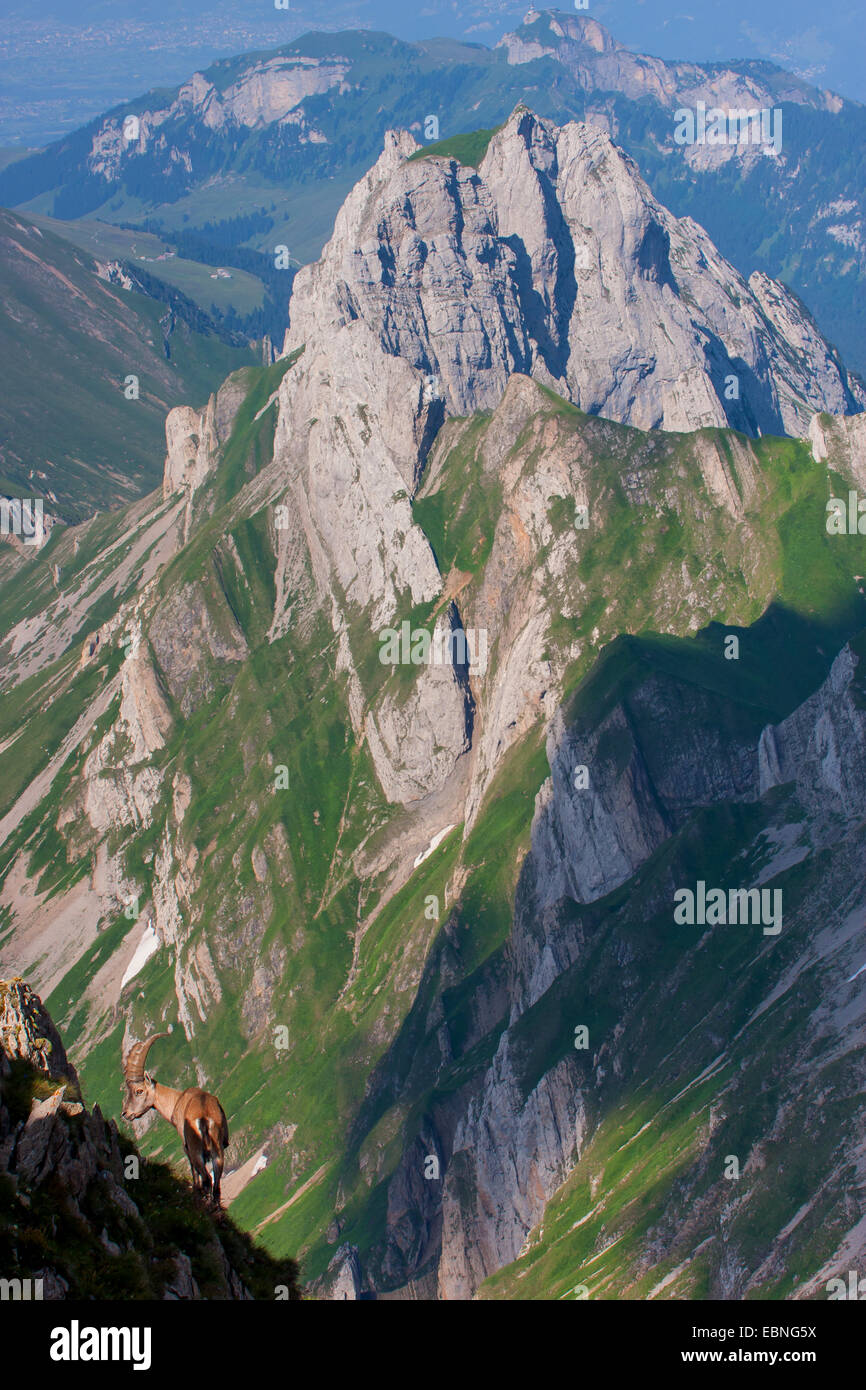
(121, 784)
(353, 431)
(821, 748)
(511, 1152)
(193, 439)
(594, 829)
(514, 1144)
(554, 259)
(840, 442)
(268, 91)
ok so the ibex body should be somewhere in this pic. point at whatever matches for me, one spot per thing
(197, 1116)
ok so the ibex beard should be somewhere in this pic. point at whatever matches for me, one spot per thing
(197, 1116)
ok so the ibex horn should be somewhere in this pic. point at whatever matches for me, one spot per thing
(133, 1067)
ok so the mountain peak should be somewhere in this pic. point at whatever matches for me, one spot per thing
(552, 258)
(579, 29)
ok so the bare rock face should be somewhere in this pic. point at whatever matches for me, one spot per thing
(121, 784)
(821, 747)
(510, 1155)
(554, 259)
(193, 438)
(270, 90)
(355, 423)
(183, 430)
(592, 831)
(343, 1278)
(27, 1032)
(840, 441)
(416, 255)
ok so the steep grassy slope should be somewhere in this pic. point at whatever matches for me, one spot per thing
(69, 342)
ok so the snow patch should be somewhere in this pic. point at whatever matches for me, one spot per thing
(146, 947)
(434, 844)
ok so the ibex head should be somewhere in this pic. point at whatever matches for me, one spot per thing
(140, 1088)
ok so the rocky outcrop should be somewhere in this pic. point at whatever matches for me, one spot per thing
(554, 259)
(193, 439)
(343, 1278)
(821, 747)
(510, 1155)
(840, 442)
(27, 1033)
(121, 785)
(615, 794)
(85, 1205)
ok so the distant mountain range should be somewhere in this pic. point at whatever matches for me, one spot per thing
(283, 135)
(64, 61)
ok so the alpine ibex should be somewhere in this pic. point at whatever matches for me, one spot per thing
(197, 1116)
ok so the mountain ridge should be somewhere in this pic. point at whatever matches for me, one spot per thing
(85, 442)
(563, 254)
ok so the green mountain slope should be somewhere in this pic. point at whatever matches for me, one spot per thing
(209, 764)
(70, 341)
